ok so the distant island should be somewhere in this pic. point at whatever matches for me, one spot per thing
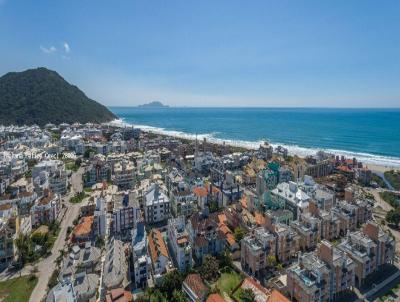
(40, 96)
(154, 104)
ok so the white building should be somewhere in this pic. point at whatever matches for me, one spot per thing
(179, 243)
(295, 199)
(157, 207)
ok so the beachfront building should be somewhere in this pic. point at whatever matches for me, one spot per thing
(179, 243)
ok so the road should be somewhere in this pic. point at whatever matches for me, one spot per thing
(47, 265)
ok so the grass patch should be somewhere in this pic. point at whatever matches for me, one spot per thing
(18, 289)
(393, 177)
(228, 281)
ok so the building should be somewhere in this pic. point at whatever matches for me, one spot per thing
(124, 175)
(294, 199)
(126, 213)
(158, 253)
(205, 235)
(385, 244)
(309, 230)
(179, 243)
(308, 280)
(46, 209)
(140, 259)
(363, 251)
(99, 217)
(157, 205)
(6, 244)
(195, 288)
(255, 248)
(341, 265)
(116, 272)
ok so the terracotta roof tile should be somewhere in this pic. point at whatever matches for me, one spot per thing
(196, 284)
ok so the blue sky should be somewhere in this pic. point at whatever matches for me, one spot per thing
(212, 53)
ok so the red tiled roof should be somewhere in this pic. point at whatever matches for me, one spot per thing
(85, 227)
(215, 298)
(276, 296)
(196, 284)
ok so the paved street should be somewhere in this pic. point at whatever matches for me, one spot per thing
(47, 265)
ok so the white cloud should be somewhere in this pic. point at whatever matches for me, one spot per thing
(50, 49)
(67, 49)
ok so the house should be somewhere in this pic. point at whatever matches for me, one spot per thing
(158, 252)
(195, 288)
(119, 295)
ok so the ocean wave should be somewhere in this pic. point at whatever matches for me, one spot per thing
(366, 158)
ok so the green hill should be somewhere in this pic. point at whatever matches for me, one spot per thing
(41, 96)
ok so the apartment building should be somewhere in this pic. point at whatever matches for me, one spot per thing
(308, 228)
(205, 234)
(126, 212)
(6, 244)
(255, 248)
(308, 280)
(179, 243)
(140, 260)
(45, 209)
(341, 265)
(385, 243)
(294, 199)
(287, 242)
(363, 251)
(157, 205)
(124, 172)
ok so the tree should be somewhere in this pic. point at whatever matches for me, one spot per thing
(170, 282)
(209, 269)
(239, 234)
(247, 295)
(178, 296)
(225, 259)
(393, 216)
(271, 260)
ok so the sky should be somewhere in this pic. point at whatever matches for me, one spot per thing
(341, 53)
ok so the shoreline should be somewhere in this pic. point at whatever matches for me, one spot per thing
(376, 163)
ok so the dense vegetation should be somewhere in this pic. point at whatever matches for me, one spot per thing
(393, 177)
(41, 96)
(381, 183)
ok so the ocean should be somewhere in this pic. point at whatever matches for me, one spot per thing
(371, 135)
